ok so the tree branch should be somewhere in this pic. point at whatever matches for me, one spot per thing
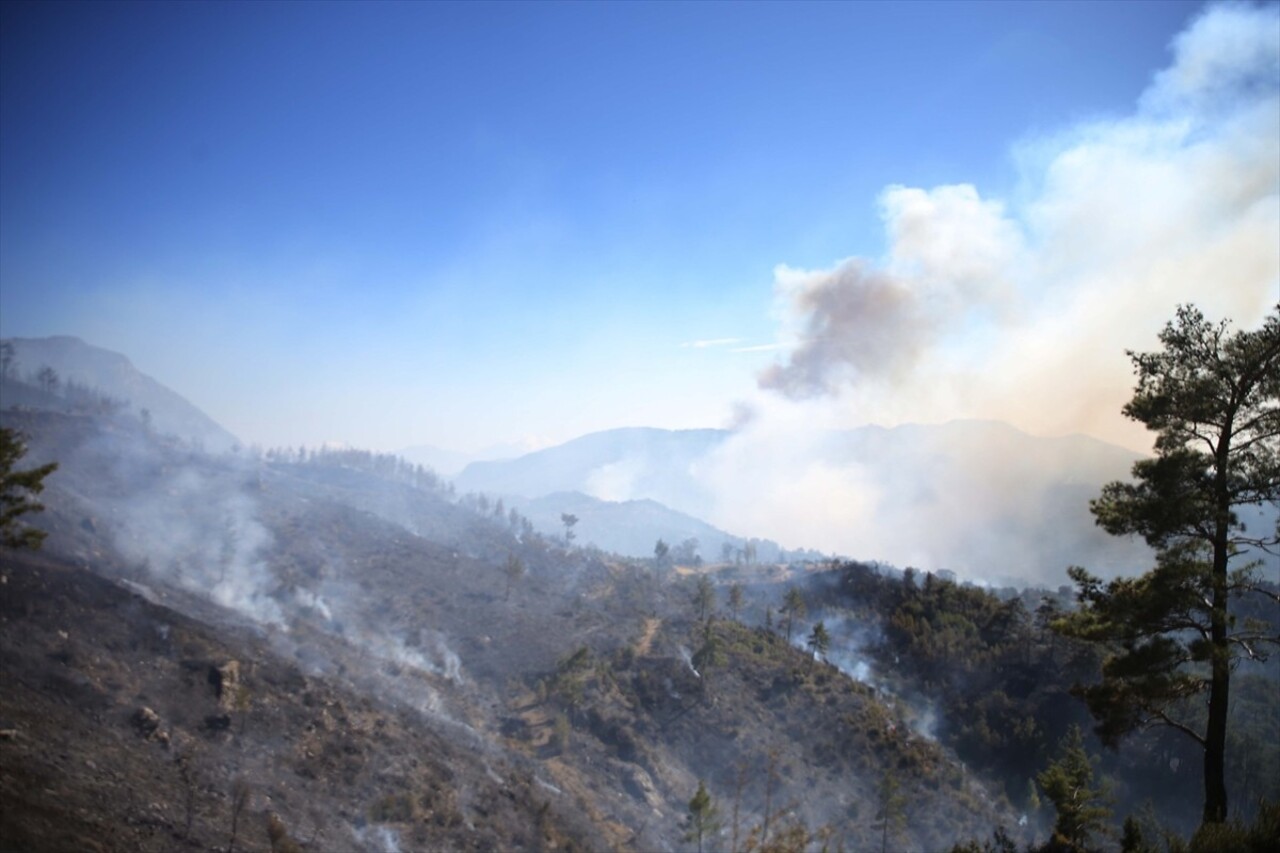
(1165, 720)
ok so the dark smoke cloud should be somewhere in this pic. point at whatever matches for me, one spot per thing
(859, 324)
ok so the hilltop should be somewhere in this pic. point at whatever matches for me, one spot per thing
(111, 378)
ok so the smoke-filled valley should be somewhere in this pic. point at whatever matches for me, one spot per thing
(732, 428)
(339, 649)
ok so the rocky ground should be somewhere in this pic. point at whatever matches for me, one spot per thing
(128, 726)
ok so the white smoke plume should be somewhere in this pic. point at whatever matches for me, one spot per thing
(432, 655)
(688, 661)
(201, 533)
(951, 255)
(1018, 310)
(1022, 310)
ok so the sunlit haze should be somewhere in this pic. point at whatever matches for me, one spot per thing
(466, 225)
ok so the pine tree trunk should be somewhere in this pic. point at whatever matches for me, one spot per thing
(1215, 786)
(1215, 741)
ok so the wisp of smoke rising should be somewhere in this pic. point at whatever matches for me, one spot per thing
(688, 661)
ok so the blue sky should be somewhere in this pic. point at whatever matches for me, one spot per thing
(461, 225)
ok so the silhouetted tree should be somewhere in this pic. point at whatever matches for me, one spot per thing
(686, 553)
(47, 379)
(661, 550)
(793, 607)
(8, 360)
(819, 640)
(1213, 400)
(735, 599)
(704, 596)
(708, 656)
(568, 519)
(17, 493)
(890, 816)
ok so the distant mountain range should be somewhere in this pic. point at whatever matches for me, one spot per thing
(615, 465)
(624, 527)
(978, 497)
(113, 375)
(451, 462)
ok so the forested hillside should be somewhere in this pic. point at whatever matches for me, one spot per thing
(330, 648)
(595, 677)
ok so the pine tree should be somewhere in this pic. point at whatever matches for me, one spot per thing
(1213, 400)
(704, 596)
(17, 493)
(708, 656)
(819, 640)
(703, 819)
(568, 519)
(735, 600)
(1068, 783)
(890, 814)
(794, 607)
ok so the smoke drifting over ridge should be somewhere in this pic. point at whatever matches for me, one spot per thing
(1019, 311)
(1023, 311)
(860, 323)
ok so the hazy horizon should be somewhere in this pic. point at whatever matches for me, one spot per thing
(516, 224)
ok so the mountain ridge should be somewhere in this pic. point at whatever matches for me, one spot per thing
(114, 374)
(983, 495)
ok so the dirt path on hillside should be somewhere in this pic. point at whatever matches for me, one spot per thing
(645, 643)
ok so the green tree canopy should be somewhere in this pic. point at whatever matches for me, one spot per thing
(1068, 783)
(793, 607)
(735, 599)
(703, 819)
(819, 640)
(1213, 400)
(17, 493)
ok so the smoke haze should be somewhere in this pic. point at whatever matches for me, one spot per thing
(1017, 310)
(1021, 311)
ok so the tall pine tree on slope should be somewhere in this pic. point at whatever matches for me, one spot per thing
(1213, 400)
